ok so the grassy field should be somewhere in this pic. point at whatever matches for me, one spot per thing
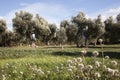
(15, 61)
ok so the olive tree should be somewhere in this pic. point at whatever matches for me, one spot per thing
(100, 28)
(118, 18)
(108, 24)
(112, 30)
(2, 32)
(80, 22)
(52, 35)
(95, 29)
(42, 29)
(61, 36)
(71, 33)
(23, 26)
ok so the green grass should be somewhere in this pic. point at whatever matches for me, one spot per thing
(44, 55)
(49, 57)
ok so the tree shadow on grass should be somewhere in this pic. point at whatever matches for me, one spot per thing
(106, 47)
(61, 53)
(112, 55)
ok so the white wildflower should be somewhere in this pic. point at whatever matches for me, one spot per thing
(80, 66)
(7, 64)
(111, 71)
(77, 77)
(28, 65)
(57, 68)
(21, 72)
(79, 59)
(114, 63)
(3, 77)
(69, 62)
(74, 60)
(83, 52)
(107, 57)
(117, 73)
(104, 66)
(100, 40)
(40, 71)
(89, 67)
(15, 71)
(69, 69)
(97, 74)
(34, 69)
(97, 64)
(9, 75)
(48, 72)
(95, 53)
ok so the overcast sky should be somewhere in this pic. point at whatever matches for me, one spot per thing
(56, 10)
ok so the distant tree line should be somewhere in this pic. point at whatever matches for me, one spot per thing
(79, 30)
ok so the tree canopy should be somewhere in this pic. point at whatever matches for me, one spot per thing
(79, 30)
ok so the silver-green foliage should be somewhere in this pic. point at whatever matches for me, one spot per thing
(23, 25)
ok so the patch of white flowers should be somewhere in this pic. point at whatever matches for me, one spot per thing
(78, 68)
(113, 72)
